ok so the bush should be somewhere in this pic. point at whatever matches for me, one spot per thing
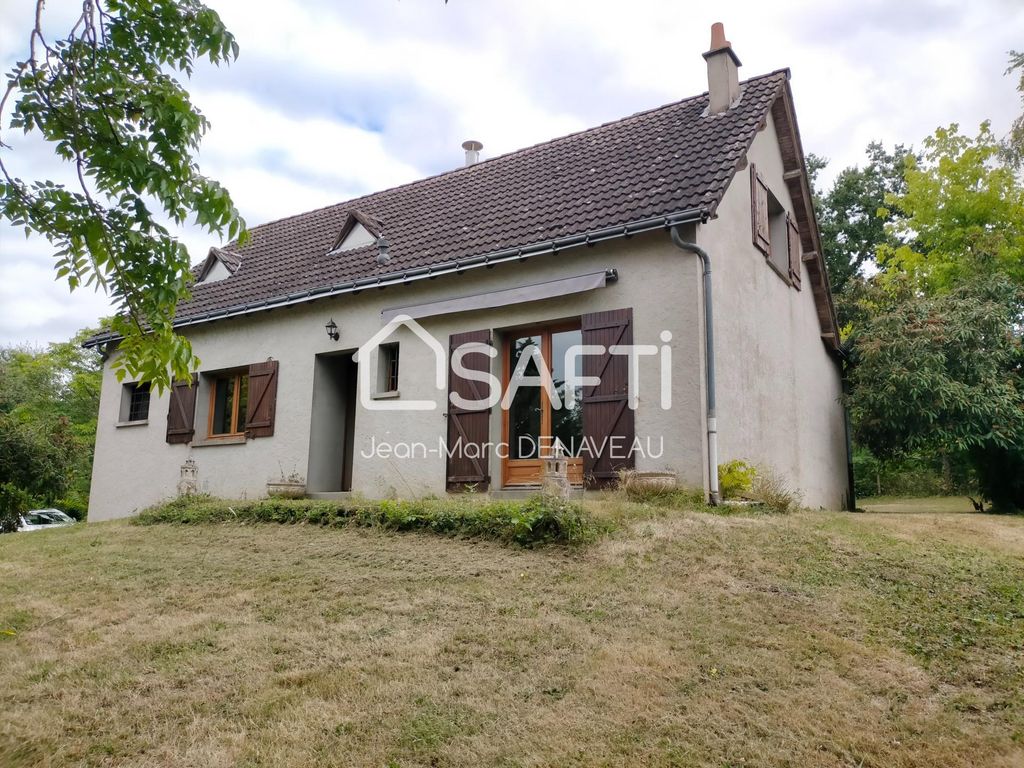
(13, 501)
(643, 490)
(773, 491)
(735, 479)
(76, 505)
(538, 520)
(912, 475)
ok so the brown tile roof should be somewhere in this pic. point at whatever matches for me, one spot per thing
(661, 163)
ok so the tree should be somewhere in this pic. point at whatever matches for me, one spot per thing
(961, 214)
(944, 375)
(851, 227)
(1013, 147)
(849, 221)
(105, 98)
(48, 405)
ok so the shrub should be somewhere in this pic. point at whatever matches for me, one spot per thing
(773, 491)
(534, 521)
(644, 490)
(75, 504)
(735, 479)
(13, 501)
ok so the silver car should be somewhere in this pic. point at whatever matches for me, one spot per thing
(39, 519)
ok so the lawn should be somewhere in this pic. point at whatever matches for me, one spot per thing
(683, 638)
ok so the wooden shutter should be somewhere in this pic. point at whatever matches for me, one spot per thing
(606, 412)
(794, 251)
(259, 415)
(759, 212)
(468, 429)
(181, 414)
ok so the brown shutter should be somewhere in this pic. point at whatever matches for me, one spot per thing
(181, 414)
(259, 415)
(759, 212)
(608, 428)
(468, 429)
(794, 251)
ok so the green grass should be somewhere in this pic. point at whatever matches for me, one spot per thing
(535, 521)
(679, 638)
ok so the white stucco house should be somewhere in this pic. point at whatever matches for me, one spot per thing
(573, 272)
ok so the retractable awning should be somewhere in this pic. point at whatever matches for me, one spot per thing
(503, 298)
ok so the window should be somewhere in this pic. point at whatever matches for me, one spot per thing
(387, 368)
(229, 399)
(134, 403)
(241, 405)
(770, 226)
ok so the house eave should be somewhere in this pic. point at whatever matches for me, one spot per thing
(490, 259)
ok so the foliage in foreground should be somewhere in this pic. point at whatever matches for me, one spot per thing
(534, 521)
(105, 99)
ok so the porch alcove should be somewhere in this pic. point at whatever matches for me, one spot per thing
(332, 429)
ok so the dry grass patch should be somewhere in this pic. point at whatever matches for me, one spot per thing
(682, 639)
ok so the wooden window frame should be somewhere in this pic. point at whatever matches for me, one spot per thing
(236, 379)
(520, 472)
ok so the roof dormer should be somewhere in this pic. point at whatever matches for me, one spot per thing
(358, 231)
(219, 264)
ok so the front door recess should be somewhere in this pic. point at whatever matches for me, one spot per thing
(332, 430)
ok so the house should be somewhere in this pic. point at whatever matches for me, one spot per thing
(449, 333)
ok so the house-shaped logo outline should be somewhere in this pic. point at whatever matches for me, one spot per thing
(362, 357)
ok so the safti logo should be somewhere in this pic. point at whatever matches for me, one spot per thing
(529, 358)
(363, 355)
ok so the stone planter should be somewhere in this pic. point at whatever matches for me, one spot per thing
(286, 490)
(657, 479)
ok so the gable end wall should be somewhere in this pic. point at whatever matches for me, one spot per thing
(778, 388)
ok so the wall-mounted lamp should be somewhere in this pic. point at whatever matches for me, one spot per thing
(332, 330)
(383, 257)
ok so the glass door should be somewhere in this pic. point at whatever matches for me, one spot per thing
(535, 424)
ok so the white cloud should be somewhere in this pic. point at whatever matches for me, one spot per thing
(333, 100)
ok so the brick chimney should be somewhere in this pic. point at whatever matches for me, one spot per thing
(723, 71)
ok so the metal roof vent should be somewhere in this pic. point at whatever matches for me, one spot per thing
(472, 151)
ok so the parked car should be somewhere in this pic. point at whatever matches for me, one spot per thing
(38, 519)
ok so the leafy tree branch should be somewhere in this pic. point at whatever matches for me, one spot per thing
(105, 98)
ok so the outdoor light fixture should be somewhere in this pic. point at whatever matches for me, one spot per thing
(383, 257)
(332, 330)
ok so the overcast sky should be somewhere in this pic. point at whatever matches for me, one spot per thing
(330, 100)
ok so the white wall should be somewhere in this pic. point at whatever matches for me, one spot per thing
(135, 467)
(778, 388)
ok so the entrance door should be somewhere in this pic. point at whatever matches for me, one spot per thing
(533, 424)
(332, 430)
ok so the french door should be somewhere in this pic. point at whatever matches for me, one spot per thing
(533, 425)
